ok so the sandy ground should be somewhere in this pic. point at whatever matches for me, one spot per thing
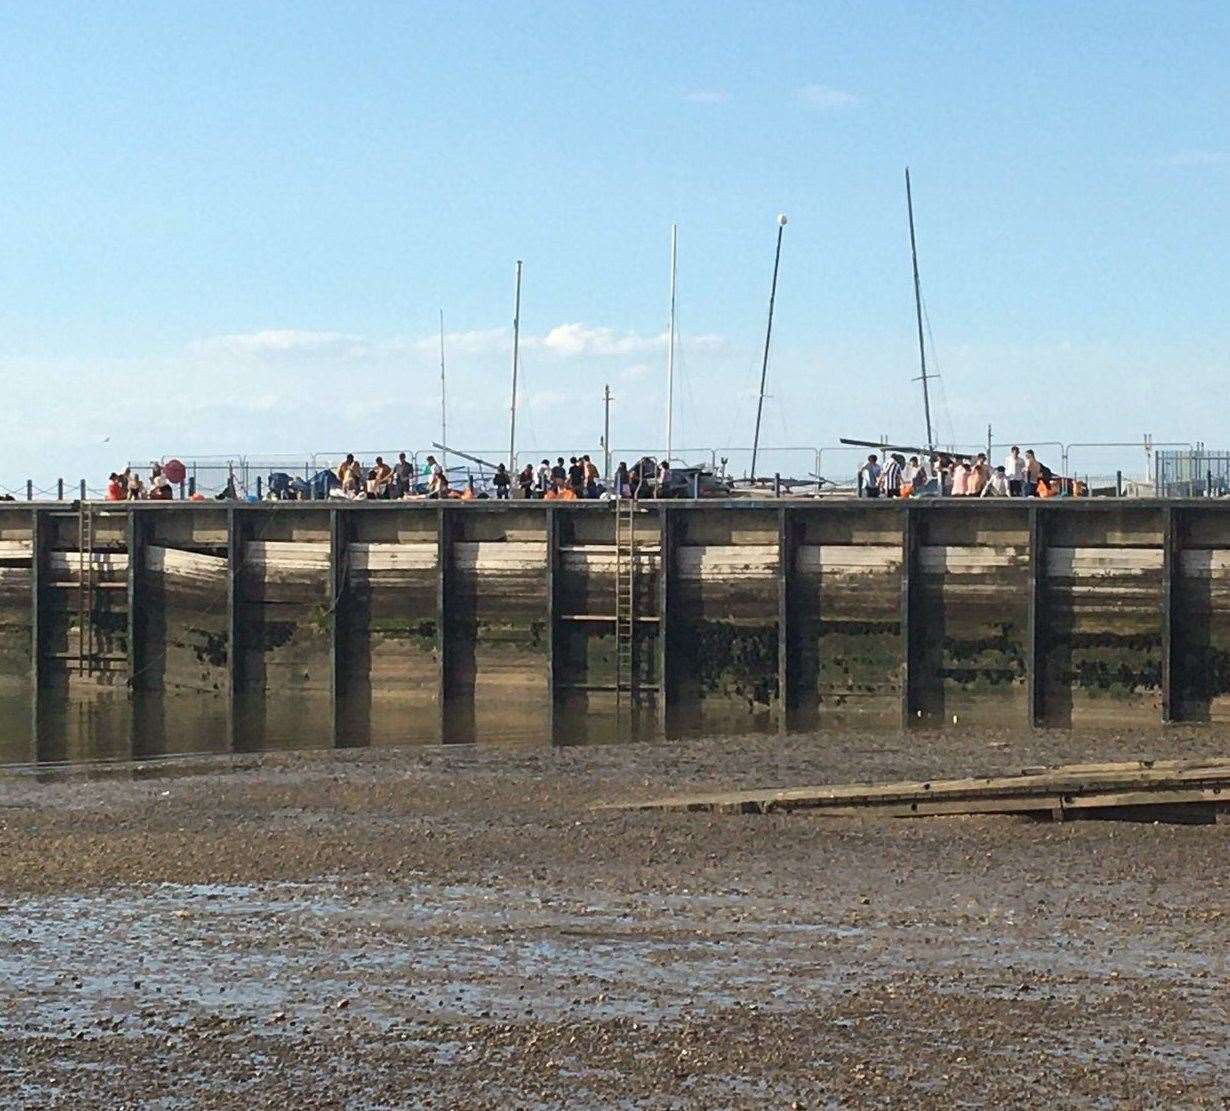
(459, 928)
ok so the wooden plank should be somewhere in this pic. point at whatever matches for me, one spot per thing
(726, 561)
(1078, 563)
(847, 559)
(1030, 791)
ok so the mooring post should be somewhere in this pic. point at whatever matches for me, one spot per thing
(1035, 632)
(666, 590)
(785, 593)
(336, 626)
(909, 571)
(551, 526)
(444, 557)
(1170, 570)
(38, 557)
(234, 676)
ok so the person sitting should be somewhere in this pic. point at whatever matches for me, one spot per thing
(437, 484)
(501, 481)
(469, 493)
(525, 481)
(384, 478)
(160, 488)
(560, 491)
(115, 490)
(136, 490)
(999, 485)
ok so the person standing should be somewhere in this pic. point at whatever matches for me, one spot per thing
(576, 476)
(978, 477)
(525, 481)
(1014, 469)
(623, 482)
(915, 475)
(501, 481)
(662, 489)
(403, 476)
(869, 478)
(890, 476)
(542, 478)
(960, 477)
(1033, 472)
(591, 476)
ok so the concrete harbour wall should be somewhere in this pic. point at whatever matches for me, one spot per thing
(256, 626)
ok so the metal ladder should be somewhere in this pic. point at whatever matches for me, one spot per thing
(625, 604)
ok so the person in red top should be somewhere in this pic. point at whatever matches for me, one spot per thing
(115, 490)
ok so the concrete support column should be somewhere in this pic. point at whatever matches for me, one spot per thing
(666, 591)
(135, 536)
(551, 527)
(338, 536)
(135, 544)
(1171, 546)
(39, 528)
(444, 560)
(234, 676)
(785, 597)
(909, 575)
(1035, 632)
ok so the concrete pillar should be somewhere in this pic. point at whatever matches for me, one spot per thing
(551, 525)
(39, 527)
(1035, 632)
(444, 559)
(135, 535)
(338, 535)
(1171, 547)
(666, 580)
(909, 574)
(785, 596)
(234, 676)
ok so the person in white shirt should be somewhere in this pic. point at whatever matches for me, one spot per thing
(1014, 471)
(869, 472)
(998, 485)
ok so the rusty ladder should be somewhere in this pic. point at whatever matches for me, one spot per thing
(625, 604)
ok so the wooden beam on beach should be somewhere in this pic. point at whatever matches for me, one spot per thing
(1058, 791)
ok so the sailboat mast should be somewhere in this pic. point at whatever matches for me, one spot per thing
(443, 416)
(512, 424)
(670, 347)
(922, 350)
(764, 366)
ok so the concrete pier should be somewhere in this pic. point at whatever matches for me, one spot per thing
(254, 626)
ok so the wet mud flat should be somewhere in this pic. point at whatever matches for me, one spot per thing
(384, 928)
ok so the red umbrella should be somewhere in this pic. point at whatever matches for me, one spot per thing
(174, 470)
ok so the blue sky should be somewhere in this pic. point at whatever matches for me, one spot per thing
(229, 228)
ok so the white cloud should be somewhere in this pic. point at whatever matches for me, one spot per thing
(280, 341)
(706, 96)
(580, 339)
(637, 371)
(823, 99)
(1194, 159)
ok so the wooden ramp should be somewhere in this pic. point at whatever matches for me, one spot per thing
(1066, 791)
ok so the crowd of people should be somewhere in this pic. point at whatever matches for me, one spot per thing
(1021, 475)
(126, 485)
(576, 480)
